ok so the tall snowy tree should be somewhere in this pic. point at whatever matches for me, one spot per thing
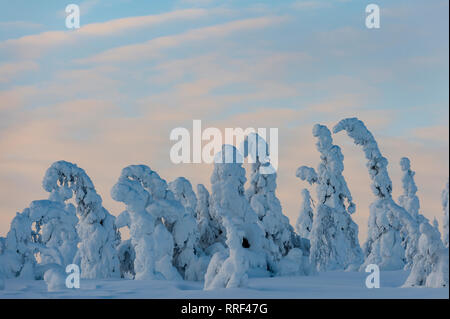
(96, 228)
(303, 226)
(445, 218)
(244, 231)
(392, 232)
(280, 235)
(334, 235)
(409, 200)
(431, 264)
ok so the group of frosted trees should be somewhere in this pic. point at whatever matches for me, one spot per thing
(235, 232)
(399, 237)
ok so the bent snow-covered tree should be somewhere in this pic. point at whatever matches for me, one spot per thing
(96, 228)
(445, 204)
(141, 189)
(334, 235)
(280, 235)
(392, 232)
(303, 226)
(430, 267)
(244, 232)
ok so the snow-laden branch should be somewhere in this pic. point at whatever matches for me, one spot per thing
(376, 163)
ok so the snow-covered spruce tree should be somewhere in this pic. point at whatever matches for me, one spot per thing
(153, 250)
(409, 200)
(280, 235)
(392, 232)
(303, 226)
(430, 267)
(96, 229)
(445, 204)
(334, 235)
(212, 237)
(244, 231)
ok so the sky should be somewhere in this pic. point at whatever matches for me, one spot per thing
(108, 94)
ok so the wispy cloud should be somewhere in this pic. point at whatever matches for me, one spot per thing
(34, 45)
(153, 47)
(9, 71)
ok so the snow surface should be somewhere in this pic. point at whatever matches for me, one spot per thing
(326, 285)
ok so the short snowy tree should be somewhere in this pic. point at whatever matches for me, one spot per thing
(409, 200)
(244, 231)
(430, 267)
(445, 204)
(334, 235)
(303, 226)
(55, 228)
(211, 232)
(46, 228)
(392, 232)
(96, 229)
(280, 235)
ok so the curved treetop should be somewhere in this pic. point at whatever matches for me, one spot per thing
(377, 164)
